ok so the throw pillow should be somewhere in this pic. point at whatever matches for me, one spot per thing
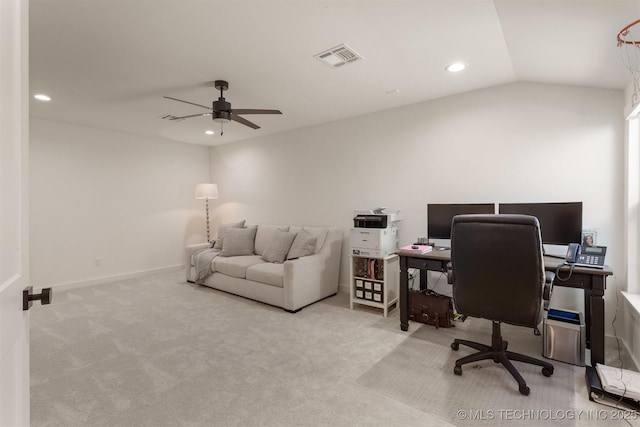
(238, 241)
(303, 245)
(264, 235)
(279, 246)
(221, 229)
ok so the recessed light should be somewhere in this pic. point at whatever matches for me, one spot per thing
(456, 67)
(209, 132)
(41, 97)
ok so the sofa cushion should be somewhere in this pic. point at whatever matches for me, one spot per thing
(236, 266)
(264, 236)
(238, 241)
(307, 242)
(279, 246)
(267, 273)
(220, 239)
(319, 232)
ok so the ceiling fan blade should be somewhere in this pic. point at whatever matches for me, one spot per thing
(244, 121)
(254, 111)
(187, 102)
(187, 117)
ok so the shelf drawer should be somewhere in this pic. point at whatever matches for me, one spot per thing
(369, 286)
(427, 264)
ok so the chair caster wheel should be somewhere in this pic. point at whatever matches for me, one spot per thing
(455, 346)
(457, 370)
(547, 372)
(524, 390)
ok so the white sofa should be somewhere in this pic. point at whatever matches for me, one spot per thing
(291, 285)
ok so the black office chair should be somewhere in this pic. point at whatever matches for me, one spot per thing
(497, 273)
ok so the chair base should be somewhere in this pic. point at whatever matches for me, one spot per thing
(497, 351)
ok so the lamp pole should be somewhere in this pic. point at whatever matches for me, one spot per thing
(206, 192)
(206, 208)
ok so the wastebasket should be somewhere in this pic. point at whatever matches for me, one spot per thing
(564, 336)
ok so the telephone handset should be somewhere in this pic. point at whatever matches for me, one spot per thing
(573, 251)
(587, 256)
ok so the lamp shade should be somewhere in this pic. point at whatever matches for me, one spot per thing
(206, 191)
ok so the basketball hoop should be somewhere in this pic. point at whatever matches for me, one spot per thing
(629, 44)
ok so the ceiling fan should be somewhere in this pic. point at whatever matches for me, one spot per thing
(221, 110)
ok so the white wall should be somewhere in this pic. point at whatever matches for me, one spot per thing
(630, 319)
(518, 142)
(121, 199)
(128, 200)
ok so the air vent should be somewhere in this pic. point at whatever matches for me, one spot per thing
(338, 56)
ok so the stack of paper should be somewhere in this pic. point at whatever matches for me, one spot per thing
(597, 393)
(621, 382)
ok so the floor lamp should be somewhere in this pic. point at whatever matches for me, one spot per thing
(206, 192)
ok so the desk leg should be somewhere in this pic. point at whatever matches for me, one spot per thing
(596, 320)
(404, 294)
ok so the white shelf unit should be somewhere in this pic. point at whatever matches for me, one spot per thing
(374, 281)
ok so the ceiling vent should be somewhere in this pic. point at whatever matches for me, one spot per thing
(338, 56)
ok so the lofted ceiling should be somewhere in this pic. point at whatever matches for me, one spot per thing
(108, 63)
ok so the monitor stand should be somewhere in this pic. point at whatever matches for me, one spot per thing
(555, 256)
(559, 252)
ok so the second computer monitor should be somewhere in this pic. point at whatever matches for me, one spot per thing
(560, 223)
(440, 216)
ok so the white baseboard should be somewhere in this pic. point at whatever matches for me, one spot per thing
(627, 356)
(343, 288)
(632, 309)
(107, 279)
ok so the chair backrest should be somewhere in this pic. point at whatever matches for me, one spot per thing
(498, 267)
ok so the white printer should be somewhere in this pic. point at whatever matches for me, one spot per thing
(375, 232)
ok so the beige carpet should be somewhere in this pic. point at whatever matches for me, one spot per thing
(156, 351)
(419, 372)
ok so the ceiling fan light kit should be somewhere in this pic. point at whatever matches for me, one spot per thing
(221, 111)
(221, 116)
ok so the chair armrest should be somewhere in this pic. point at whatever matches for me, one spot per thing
(548, 288)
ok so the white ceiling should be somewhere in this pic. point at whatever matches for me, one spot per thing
(108, 63)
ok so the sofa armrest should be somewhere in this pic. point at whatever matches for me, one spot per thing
(192, 249)
(305, 280)
(312, 278)
(189, 251)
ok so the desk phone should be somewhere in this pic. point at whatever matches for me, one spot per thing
(587, 256)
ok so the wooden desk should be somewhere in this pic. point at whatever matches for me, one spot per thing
(592, 280)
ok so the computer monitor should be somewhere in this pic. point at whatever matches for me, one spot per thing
(560, 223)
(440, 216)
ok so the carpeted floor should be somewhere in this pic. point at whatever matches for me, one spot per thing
(156, 351)
(494, 390)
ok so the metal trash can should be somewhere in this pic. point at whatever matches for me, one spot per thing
(564, 336)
